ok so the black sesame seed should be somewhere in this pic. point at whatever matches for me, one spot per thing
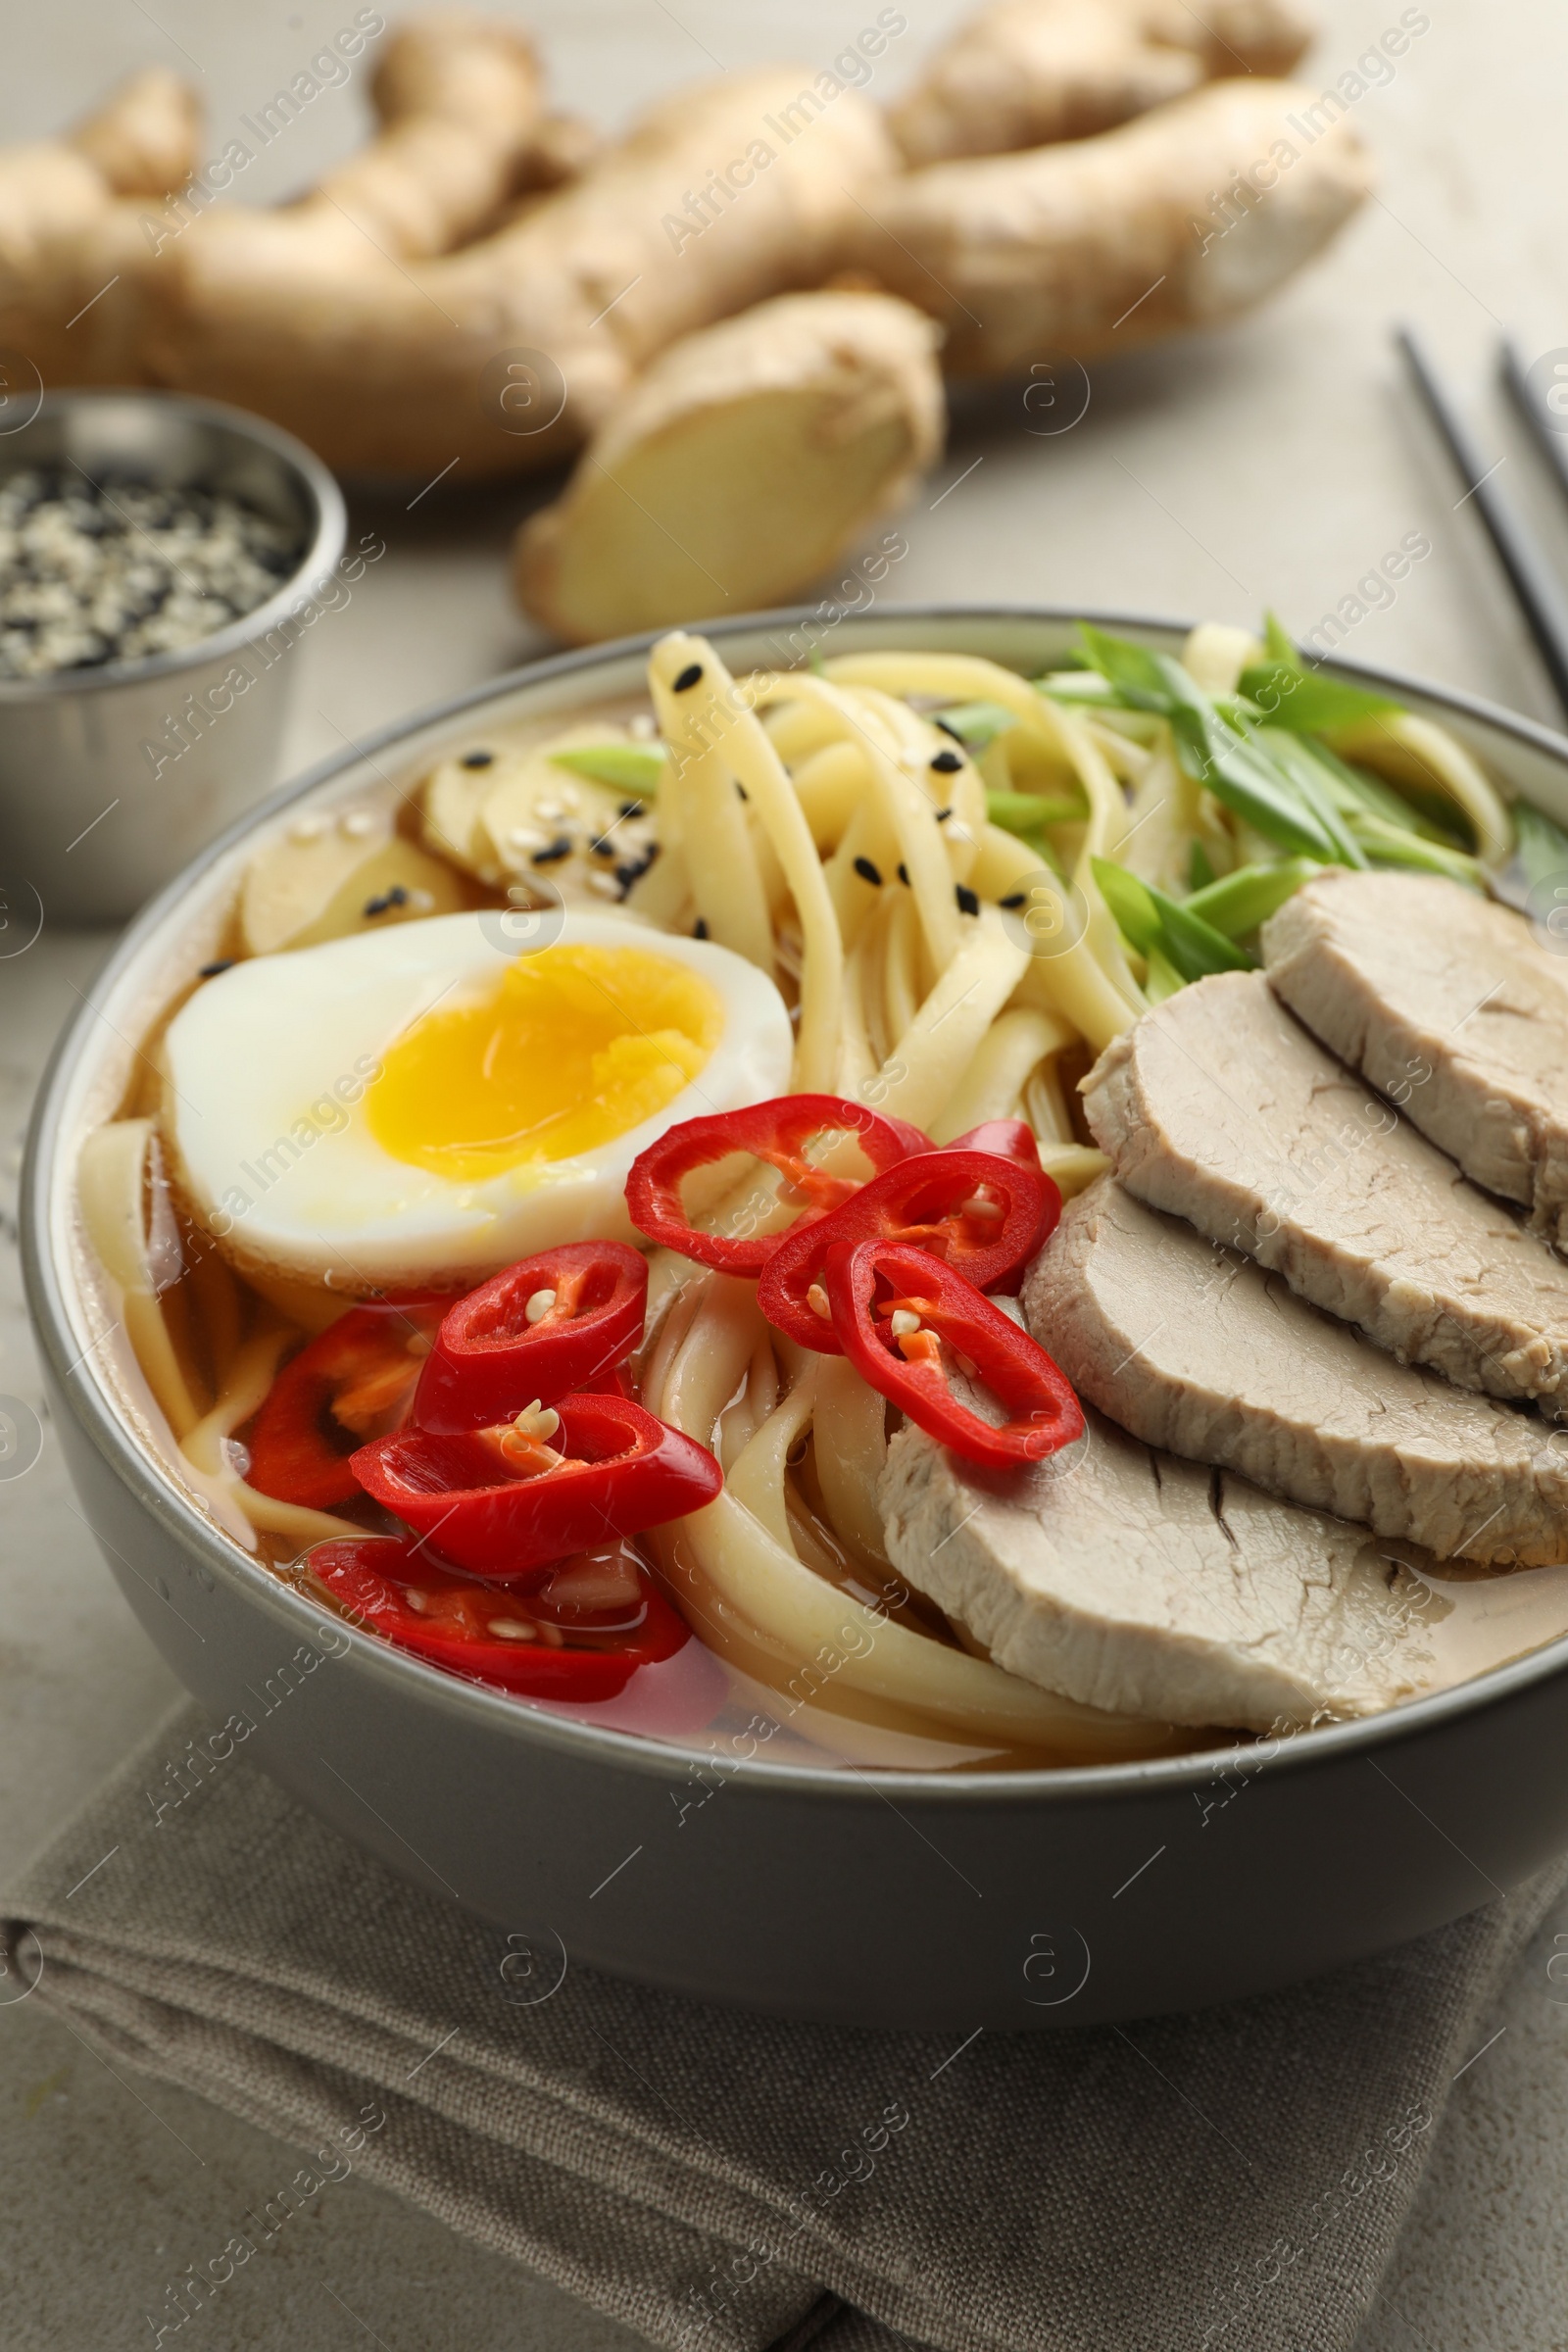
(689, 677)
(1014, 897)
(397, 896)
(969, 903)
(633, 808)
(602, 846)
(867, 872)
(948, 764)
(209, 971)
(943, 815)
(903, 873)
(948, 728)
(700, 928)
(560, 848)
(634, 869)
(741, 789)
(478, 760)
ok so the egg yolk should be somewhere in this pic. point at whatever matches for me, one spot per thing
(577, 1045)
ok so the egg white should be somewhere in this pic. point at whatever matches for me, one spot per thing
(265, 1071)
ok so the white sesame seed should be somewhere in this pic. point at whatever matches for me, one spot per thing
(605, 884)
(358, 823)
(550, 811)
(307, 829)
(642, 727)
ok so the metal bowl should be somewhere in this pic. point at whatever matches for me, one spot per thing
(862, 1896)
(112, 779)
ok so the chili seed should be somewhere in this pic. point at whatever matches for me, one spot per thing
(969, 902)
(868, 872)
(816, 1300)
(689, 677)
(537, 1421)
(948, 764)
(903, 1321)
(513, 1628)
(539, 1305)
(478, 760)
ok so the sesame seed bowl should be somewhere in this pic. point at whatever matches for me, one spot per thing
(160, 559)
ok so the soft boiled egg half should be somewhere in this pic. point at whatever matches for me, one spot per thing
(424, 1105)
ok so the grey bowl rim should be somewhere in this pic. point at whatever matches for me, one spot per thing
(601, 1745)
(325, 549)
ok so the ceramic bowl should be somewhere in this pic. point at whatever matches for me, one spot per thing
(1008, 1899)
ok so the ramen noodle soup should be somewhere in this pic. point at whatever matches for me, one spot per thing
(573, 1227)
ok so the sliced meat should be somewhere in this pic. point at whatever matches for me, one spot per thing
(1132, 1581)
(1445, 1003)
(1217, 1107)
(1197, 1349)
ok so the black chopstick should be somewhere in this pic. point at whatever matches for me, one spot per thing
(1549, 431)
(1536, 591)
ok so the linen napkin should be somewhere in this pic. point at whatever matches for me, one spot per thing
(725, 2183)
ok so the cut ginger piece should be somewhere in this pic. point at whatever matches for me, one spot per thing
(323, 878)
(745, 462)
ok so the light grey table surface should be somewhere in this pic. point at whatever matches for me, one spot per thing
(1273, 464)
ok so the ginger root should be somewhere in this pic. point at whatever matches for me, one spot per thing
(479, 287)
(745, 462)
(1024, 73)
(363, 317)
(1178, 220)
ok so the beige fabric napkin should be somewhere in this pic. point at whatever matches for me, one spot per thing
(727, 2183)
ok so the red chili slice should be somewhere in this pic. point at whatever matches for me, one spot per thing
(1009, 1139)
(504, 1507)
(777, 1132)
(908, 1367)
(490, 1360)
(353, 1382)
(551, 1649)
(983, 1215)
